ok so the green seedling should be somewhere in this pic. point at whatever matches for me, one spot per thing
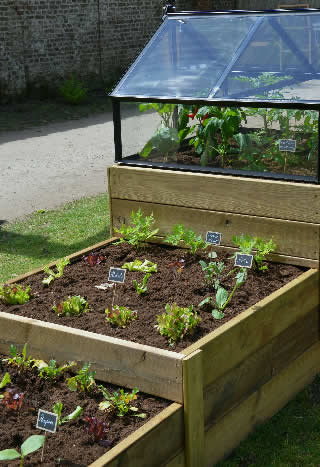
(137, 265)
(247, 244)
(223, 297)
(4, 382)
(73, 306)
(20, 360)
(51, 372)
(120, 316)
(83, 381)
(212, 272)
(61, 264)
(186, 236)
(140, 231)
(57, 409)
(176, 322)
(141, 288)
(15, 294)
(32, 444)
(120, 402)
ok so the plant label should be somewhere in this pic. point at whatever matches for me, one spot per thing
(47, 421)
(289, 145)
(243, 261)
(117, 275)
(214, 238)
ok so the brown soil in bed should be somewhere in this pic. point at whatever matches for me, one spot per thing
(71, 445)
(163, 287)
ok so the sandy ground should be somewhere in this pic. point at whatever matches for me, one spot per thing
(43, 167)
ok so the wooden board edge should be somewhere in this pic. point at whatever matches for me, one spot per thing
(138, 435)
(110, 202)
(72, 257)
(247, 313)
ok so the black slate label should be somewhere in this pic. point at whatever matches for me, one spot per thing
(117, 275)
(243, 261)
(47, 421)
(214, 238)
(289, 145)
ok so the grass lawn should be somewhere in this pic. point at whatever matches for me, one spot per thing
(46, 236)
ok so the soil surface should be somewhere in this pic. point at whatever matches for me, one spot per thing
(71, 444)
(165, 286)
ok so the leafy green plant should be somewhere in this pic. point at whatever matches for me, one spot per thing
(120, 316)
(61, 264)
(120, 402)
(15, 294)
(137, 265)
(223, 297)
(140, 231)
(165, 111)
(31, 444)
(5, 380)
(176, 322)
(83, 381)
(141, 288)
(247, 244)
(73, 91)
(73, 306)
(20, 360)
(52, 372)
(212, 272)
(57, 409)
(186, 236)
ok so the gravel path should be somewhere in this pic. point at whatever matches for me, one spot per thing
(43, 167)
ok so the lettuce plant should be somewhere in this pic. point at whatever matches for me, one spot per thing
(93, 259)
(137, 265)
(15, 294)
(57, 409)
(5, 380)
(247, 244)
(176, 322)
(51, 372)
(20, 360)
(186, 236)
(141, 288)
(177, 267)
(83, 381)
(61, 264)
(120, 402)
(120, 316)
(140, 231)
(98, 429)
(12, 399)
(73, 306)
(31, 444)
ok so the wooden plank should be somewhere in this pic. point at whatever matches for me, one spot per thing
(193, 409)
(253, 328)
(154, 371)
(151, 445)
(292, 238)
(299, 201)
(72, 258)
(240, 382)
(227, 432)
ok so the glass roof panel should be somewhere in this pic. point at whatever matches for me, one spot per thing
(262, 56)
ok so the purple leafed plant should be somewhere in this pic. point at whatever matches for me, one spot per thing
(98, 429)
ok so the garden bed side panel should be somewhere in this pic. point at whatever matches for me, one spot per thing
(286, 211)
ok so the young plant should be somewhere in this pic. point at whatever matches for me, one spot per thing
(176, 322)
(120, 402)
(137, 265)
(187, 236)
(73, 91)
(212, 272)
(83, 381)
(98, 429)
(73, 306)
(57, 409)
(20, 360)
(141, 288)
(12, 399)
(223, 297)
(93, 259)
(51, 371)
(5, 380)
(15, 294)
(177, 267)
(140, 231)
(31, 444)
(61, 264)
(120, 316)
(247, 244)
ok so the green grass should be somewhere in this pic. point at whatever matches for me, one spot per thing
(290, 438)
(46, 236)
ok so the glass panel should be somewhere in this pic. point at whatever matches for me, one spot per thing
(279, 143)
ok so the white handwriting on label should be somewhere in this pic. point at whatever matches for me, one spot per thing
(45, 422)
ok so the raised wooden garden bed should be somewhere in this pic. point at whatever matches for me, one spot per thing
(236, 376)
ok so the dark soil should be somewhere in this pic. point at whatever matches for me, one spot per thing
(165, 286)
(71, 445)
